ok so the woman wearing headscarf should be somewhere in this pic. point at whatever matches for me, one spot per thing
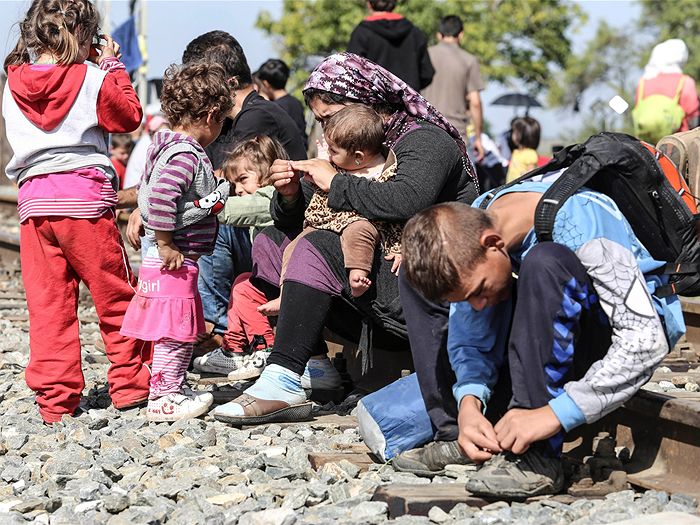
(432, 167)
(663, 75)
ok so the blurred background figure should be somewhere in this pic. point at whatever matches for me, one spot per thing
(393, 42)
(666, 100)
(457, 82)
(271, 80)
(524, 138)
(120, 148)
(137, 160)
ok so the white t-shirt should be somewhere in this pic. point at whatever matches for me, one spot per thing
(137, 161)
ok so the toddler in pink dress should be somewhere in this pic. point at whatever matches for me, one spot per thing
(179, 198)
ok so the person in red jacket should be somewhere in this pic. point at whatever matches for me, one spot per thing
(58, 109)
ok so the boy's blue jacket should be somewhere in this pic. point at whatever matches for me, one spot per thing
(644, 327)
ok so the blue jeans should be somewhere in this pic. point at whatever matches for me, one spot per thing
(217, 271)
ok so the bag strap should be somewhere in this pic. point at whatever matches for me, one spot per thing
(678, 287)
(640, 91)
(679, 89)
(578, 174)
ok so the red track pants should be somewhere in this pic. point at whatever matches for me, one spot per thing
(244, 320)
(57, 253)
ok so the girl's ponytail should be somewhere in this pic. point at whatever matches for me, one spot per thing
(58, 27)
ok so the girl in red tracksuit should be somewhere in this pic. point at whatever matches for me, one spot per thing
(58, 110)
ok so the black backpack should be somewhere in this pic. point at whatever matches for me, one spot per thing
(646, 187)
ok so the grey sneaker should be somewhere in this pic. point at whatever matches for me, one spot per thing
(218, 361)
(514, 477)
(430, 460)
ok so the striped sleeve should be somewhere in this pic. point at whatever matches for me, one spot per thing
(174, 180)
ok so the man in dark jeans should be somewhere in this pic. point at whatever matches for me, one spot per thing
(251, 115)
(393, 42)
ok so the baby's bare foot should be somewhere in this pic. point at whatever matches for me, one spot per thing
(271, 308)
(359, 283)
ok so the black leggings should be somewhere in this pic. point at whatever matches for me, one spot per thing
(304, 311)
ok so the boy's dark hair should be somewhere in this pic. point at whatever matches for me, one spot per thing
(275, 72)
(194, 90)
(56, 26)
(525, 132)
(261, 151)
(356, 127)
(122, 140)
(450, 25)
(382, 5)
(219, 47)
(440, 245)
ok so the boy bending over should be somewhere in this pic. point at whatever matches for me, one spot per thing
(578, 331)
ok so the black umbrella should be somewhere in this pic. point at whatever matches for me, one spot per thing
(518, 100)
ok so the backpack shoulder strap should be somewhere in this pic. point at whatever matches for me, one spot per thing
(640, 91)
(578, 174)
(679, 90)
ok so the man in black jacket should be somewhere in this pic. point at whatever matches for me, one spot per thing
(394, 43)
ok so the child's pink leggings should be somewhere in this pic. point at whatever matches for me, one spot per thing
(170, 361)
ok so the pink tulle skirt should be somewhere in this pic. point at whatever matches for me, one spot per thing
(166, 305)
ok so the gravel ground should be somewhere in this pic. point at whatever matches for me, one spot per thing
(105, 466)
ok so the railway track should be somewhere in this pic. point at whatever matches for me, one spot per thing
(659, 432)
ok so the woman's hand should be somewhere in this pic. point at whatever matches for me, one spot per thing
(285, 181)
(172, 257)
(134, 229)
(320, 172)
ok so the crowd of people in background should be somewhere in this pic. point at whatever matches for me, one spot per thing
(250, 249)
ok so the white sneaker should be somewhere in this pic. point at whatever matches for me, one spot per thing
(174, 407)
(218, 361)
(250, 366)
(320, 374)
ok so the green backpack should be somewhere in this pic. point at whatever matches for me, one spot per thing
(656, 116)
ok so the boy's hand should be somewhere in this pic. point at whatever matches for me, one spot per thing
(171, 256)
(521, 427)
(396, 257)
(476, 434)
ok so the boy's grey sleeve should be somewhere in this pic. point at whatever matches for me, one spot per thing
(639, 341)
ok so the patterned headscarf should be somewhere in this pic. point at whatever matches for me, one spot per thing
(359, 79)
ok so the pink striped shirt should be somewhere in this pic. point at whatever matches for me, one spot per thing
(85, 193)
